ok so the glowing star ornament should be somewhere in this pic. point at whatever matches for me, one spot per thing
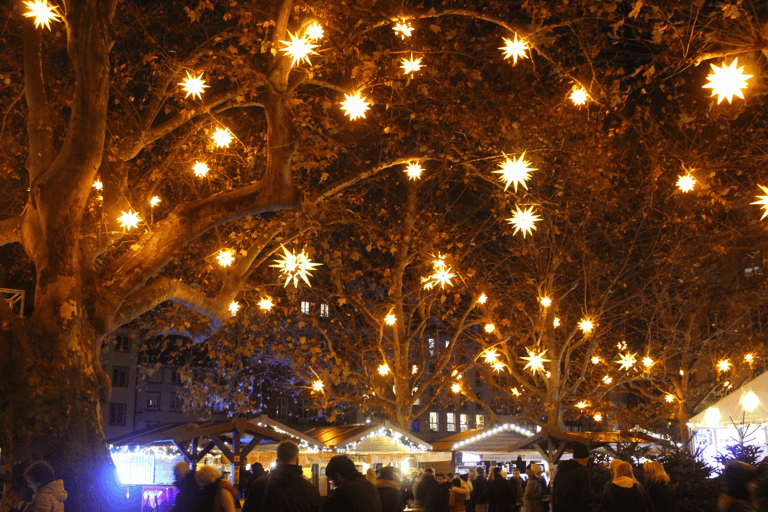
(582, 405)
(556, 323)
(595, 360)
(389, 319)
(193, 86)
(750, 358)
(315, 31)
(763, 201)
(669, 399)
(318, 386)
(234, 307)
(648, 362)
(129, 219)
(535, 361)
(497, 366)
(524, 220)
(545, 301)
(515, 391)
(414, 170)
(299, 49)
(456, 387)
(383, 370)
(410, 66)
(442, 274)
(607, 380)
(490, 356)
(482, 299)
(98, 185)
(724, 365)
(222, 137)
(266, 304)
(515, 172)
(225, 257)
(586, 326)
(489, 328)
(598, 417)
(727, 81)
(403, 28)
(354, 106)
(295, 266)
(200, 169)
(686, 183)
(514, 49)
(626, 361)
(154, 201)
(43, 12)
(414, 369)
(579, 95)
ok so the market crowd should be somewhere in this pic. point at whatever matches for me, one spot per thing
(285, 489)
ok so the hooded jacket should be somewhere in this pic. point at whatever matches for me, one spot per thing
(48, 498)
(534, 492)
(284, 489)
(571, 490)
(389, 494)
(625, 495)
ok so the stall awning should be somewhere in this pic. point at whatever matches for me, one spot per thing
(748, 404)
(384, 437)
(483, 440)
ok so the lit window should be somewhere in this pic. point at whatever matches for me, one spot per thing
(153, 401)
(305, 307)
(463, 423)
(431, 342)
(415, 426)
(324, 310)
(117, 414)
(450, 421)
(479, 421)
(434, 423)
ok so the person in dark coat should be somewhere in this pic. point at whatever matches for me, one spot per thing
(534, 490)
(656, 480)
(428, 493)
(571, 489)
(284, 489)
(189, 491)
(353, 493)
(625, 494)
(739, 481)
(502, 495)
(389, 491)
(479, 496)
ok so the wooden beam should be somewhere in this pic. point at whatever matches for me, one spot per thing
(223, 447)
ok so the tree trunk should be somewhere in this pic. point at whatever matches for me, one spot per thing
(682, 417)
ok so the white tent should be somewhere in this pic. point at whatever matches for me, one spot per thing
(743, 412)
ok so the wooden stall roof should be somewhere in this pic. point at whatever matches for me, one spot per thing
(491, 439)
(335, 437)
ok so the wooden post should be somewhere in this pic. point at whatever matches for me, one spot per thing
(236, 458)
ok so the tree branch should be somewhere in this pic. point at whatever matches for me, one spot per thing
(10, 230)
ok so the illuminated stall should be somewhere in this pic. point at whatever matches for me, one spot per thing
(741, 414)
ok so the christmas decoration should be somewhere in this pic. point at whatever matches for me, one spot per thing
(295, 266)
(266, 304)
(535, 361)
(43, 12)
(98, 185)
(222, 137)
(389, 319)
(225, 257)
(489, 328)
(200, 169)
(514, 49)
(586, 325)
(403, 28)
(579, 95)
(523, 220)
(626, 361)
(414, 171)
(545, 301)
(515, 172)
(234, 307)
(724, 365)
(354, 106)
(410, 66)
(129, 219)
(727, 81)
(315, 31)
(318, 386)
(763, 201)
(193, 86)
(442, 274)
(685, 183)
(299, 49)
(383, 370)
(154, 201)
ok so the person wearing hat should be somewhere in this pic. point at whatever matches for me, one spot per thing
(534, 490)
(738, 478)
(572, 490)
(189, 492)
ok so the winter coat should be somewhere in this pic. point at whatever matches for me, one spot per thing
(726, 503)
(284, 489)
(625, 495)
(48, 498)
(520, 492)
(571, 490)
(389, 494)
(429, 494)
(457, 498)
(502, 495)
(533, 493)
(354, 495)
(661, 496)
(189, 493)
(479, 496)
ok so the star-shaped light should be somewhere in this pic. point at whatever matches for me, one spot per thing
(598, 417)
(497, 366)
(129, 219)
(298, 48)
(515, 391)
(200, 169)
(669, 398)
(489, 328)
(622, 345)
(490, 356)
(266, 304)
(626, 361)
(43, 12)
(403, 28)
(389, 319)
(686, 183)
(763, 201)
(535, 361)
(607, 379)
(582, 405)
(234, 307)
(383, 370)
(414, 369)
(727, 81)
(545, 301)
(318, 386)
(596, 360)
(579, 95)
(98, 185)
(482, 299)
(556, 322)
(295, 266)
(523, 220)
(586, 325)
(194, 86)
(749, 357)
(414, 170)
(354, 106)
(515, 172)
(456, 387)
(410, 66)
(648, 362)
(514, 48)
(154, 201)
(724, 365)
(442, 274)
(315, 31)
(225, 257)
(221, 138)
